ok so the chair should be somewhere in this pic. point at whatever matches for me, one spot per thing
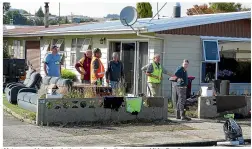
(33, 80)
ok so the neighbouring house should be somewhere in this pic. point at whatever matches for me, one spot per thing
(216, 45)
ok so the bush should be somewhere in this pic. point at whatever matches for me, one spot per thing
(67, 74)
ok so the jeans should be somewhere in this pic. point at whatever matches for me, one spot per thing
(113, 84)
(181, 92)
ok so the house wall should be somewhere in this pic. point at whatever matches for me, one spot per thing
(95, 43)
(236, 28)
(177, 48)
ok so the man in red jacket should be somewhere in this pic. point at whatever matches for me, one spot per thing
(83, 67)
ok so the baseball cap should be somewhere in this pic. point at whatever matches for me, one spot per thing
(54, 47)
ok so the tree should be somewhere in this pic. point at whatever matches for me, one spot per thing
(66, 21)
(18, 19)
(216, 8)
(40, 13)
(39, 21)
(144, 10)
(199, 9)
(53, 22)
(6, 6)
(226, 7)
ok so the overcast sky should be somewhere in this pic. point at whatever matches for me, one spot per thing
(94, 9)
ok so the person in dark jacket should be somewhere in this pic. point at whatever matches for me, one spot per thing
(182, 82)
(83, 67)
(114, 73)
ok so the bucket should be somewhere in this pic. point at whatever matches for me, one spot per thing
(205, 92)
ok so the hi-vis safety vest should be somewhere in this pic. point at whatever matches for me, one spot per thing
(100, 70)
(157, 71)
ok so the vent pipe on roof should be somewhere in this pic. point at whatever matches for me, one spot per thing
(177, 10)
(46, 19)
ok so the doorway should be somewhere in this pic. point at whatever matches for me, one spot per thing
(134, 55)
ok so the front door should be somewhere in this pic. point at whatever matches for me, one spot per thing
(33, 54)
(134, 55)
(128, 56)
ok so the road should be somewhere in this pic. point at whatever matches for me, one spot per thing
(21, 134)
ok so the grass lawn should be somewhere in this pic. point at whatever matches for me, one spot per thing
(22, 112)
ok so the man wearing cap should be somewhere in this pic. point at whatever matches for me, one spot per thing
(154, 73)
(83, 66)
(52, 63)
(97, 68)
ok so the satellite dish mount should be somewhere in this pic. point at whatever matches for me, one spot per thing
(128, 16)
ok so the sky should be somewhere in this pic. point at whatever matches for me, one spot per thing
(101, 9)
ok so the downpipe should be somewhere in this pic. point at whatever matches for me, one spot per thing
(153, 37)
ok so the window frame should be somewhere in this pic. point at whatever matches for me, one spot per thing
(16, 46)
(216, 70)
(75, 49)
(48, 43)
(204, 51)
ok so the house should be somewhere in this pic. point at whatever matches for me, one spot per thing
(207, 41)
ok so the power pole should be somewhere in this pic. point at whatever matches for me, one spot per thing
(59, 14)
(157, 11)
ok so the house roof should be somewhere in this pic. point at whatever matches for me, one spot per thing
(143, 25)
(34, 29)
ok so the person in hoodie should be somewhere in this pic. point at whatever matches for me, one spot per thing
(83, 66)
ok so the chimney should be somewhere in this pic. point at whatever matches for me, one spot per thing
(177, 10)
(46, 21)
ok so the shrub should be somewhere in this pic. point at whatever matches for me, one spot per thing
(68, 74)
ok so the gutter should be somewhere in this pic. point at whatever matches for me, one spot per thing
(69, 33)
(147, 36)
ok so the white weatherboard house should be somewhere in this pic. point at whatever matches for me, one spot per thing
(205, 40)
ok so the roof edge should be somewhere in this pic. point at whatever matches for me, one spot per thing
(72, 33)
(190, 23)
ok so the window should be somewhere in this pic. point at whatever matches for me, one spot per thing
(235, 62)
(6, 53)
(48, 43)
(59, 43)
(78, 48)
(16, 51)
(232, 61)
(208, 72)
(210, 58)
(211, 50)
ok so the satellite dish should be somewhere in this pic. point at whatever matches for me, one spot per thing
(128, 16)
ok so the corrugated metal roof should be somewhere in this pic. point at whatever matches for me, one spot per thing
(161, 24)
(153, 26)
(34, 29)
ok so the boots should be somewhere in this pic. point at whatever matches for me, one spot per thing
(177, 113)
(183, 116)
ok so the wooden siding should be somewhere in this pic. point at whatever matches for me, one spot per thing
(237, 28)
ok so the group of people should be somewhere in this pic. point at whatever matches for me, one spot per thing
(92, 72)
(89, 66)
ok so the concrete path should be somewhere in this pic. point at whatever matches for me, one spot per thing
(20, 134)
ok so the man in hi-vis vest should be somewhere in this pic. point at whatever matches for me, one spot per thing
(97, 69)
(154, 73)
